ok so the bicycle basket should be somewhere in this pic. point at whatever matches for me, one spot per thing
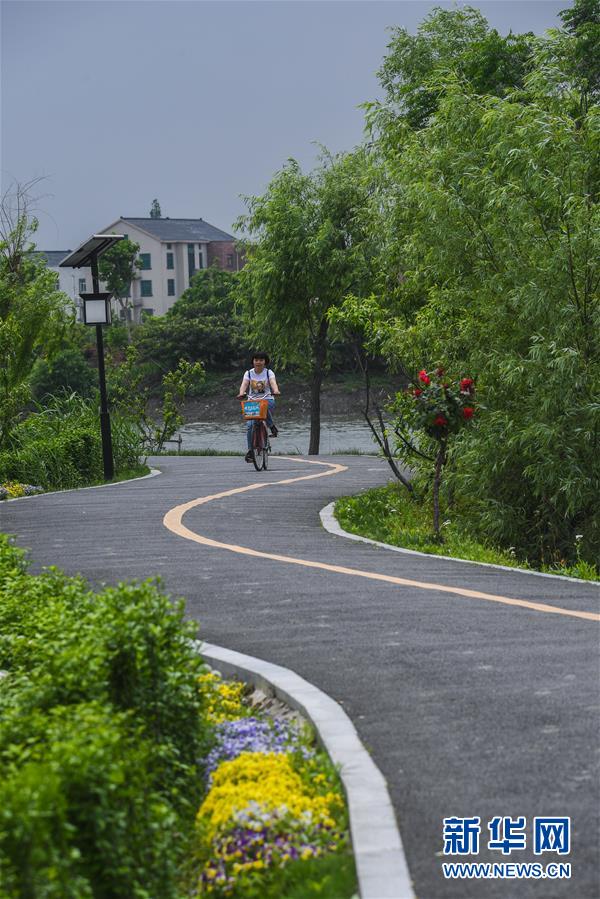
(254, 409)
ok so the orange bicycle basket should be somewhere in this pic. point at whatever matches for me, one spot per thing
(255, 409)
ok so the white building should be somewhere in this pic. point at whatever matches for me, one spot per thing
(171, 251)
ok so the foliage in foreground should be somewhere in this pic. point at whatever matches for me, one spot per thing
(101, 729)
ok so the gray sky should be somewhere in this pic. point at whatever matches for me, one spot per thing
(193, 102)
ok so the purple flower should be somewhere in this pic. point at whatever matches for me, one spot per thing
(31, 490)
(253, 735)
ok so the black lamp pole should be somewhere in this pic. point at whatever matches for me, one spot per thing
(107, 453)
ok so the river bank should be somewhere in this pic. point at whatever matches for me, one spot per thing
(342, 395)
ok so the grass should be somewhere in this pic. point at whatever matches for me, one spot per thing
(353, 451)
(328, 877)
(389, 515)
(199, 452)
(138, 472)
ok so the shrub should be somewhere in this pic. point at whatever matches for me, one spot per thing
(68, 371)
(101, 731)
(80, 813)
(60, 446)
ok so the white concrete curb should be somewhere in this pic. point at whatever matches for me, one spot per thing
(380, 862)
(153, 473)
(331, 524)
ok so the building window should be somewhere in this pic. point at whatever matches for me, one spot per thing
(191, 260)
(169, 246)
(82, 285)
(146, 288)
(146, 313)
(146, 263)
(230, 260)
(170, 263)
(171, 287)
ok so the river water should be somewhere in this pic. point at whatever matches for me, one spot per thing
(338, 434)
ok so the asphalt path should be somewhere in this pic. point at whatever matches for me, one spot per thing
(469, 707)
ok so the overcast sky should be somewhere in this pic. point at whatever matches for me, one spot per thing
(193, 102)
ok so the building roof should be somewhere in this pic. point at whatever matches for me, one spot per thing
(179, 229)
(52, 258)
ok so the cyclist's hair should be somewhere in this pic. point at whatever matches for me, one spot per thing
(261, 356)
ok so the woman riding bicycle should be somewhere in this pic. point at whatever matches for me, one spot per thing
(259, 383)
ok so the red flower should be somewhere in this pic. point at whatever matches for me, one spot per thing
(440, 420)
(466, 385)
(417, 392)
(468, 412)
(424, 377)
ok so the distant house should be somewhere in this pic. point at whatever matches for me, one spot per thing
(171, 252)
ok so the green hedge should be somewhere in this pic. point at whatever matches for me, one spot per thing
(101, 729)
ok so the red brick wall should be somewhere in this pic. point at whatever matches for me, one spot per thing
(219, 250)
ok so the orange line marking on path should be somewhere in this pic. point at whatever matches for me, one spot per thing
(173, 522)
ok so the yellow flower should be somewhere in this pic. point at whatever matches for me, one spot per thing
(223, 700)
(258, 782)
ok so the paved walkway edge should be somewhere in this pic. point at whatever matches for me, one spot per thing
(331, 524)
(378, 853)
(151, 474)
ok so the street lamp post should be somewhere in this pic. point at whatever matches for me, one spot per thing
(96, 311)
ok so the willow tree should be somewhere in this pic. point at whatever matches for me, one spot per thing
(498, 227)
(309, 246)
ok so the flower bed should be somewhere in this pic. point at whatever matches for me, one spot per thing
(13, 489)
(273, 812)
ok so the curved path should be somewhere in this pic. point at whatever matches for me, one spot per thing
(471, 707)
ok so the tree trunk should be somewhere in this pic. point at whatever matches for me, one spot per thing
(318, 368)
(439, 464)
(125, 308)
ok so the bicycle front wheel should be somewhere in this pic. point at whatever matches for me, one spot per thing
(257, 457)
(259, 443)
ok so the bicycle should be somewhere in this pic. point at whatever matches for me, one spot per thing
(260, 445)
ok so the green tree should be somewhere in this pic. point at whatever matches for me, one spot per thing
(497, 220)
(311, 247)
(117, 268)
(202, 325)
(33, 313)
(130, 397)
(454, 42)
(582, 22)
(155, 212)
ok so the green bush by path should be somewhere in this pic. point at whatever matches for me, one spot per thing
(389, 515)
(68, 370)
(60, 446)
(101, 727)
